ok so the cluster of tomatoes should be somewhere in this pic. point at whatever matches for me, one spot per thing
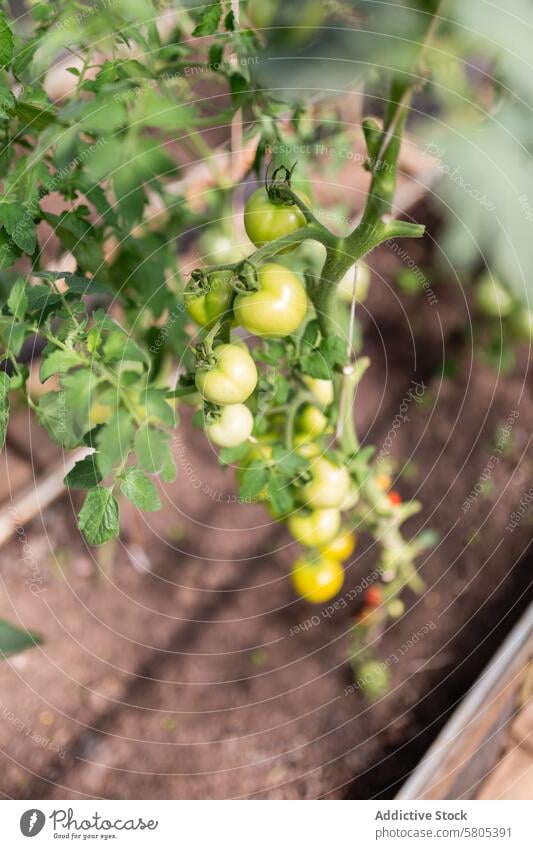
(270, 301)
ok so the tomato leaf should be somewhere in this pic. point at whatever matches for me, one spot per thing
(253, 481)
(18, 300)
(84, 475)
(152, 449)
(210, 18)
(280, 495)
(99, 516)
(140, 490)
(18, 222)
(228, 456)
(57, 362)
(6, 41)
(114, 441)
(14, 640)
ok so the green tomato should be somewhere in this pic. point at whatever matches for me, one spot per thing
(314, 528)
(232, 427)
(265, 221)
(317, 580)
(231, 380)
(207, 309)
(311, 255)
(521, 324)
(351, 498)
(328, 487)
(218, 248)
(295, 23)
(373, 678)
(321, 389)
(493, 298)
(277, 308)
(362, 282)
(310, 423)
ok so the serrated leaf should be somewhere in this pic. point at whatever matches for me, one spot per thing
(84, 475)
(58, 362)
(140, 490)
(232, 455)
(18, 222)
(152, 449)
(99, 516)
(114, 442)
(12, 334)
(280, 495)
(103, 116)
(6, 41)
(51, 413)
(315, 365)
(14, 640)
(334, 351)
(254, 480)
(18, 300)
(169, 471)
(209, 20)
(4, 406)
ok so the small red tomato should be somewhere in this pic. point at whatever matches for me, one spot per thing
(373, 596)
(394, 497)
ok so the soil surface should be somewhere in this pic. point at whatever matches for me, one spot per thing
(171, 665)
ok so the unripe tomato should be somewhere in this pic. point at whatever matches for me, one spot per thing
(345, 289)
(384, 482)
(231, 380)
(314, 528)
(351, 498)
(207, 309)
(328, 487)
(295, 23)
(232, 427)
(493, 298)
(266, 220)
(306, 449)
(395, 608)
(521, 324)
(218, 248)
(321, 389)
(317, 580)
(374, 679)
(310, 423)
(312, 255)
(341, 547)
(277, 308)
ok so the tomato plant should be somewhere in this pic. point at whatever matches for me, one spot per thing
(115, 310)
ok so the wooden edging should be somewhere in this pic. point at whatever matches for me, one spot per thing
(473, 720)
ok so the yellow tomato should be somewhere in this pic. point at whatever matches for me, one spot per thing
(317, 580)
(341, 547)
